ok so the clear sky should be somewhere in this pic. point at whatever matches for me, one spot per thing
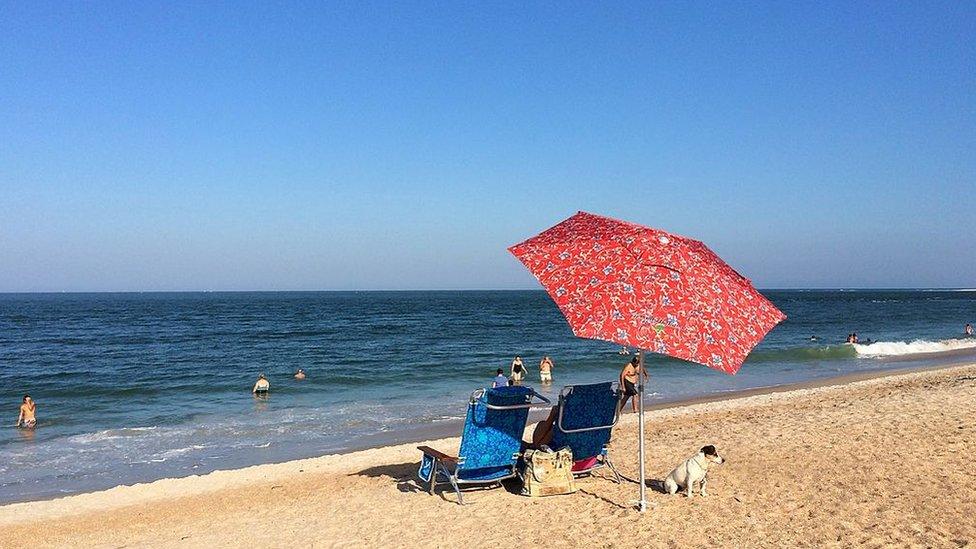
(183, 146)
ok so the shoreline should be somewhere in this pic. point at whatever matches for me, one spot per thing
(434, 435)
(450, 427)
(861, 460)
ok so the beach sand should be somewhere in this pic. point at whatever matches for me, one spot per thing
(877, 462)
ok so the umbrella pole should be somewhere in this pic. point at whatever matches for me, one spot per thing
(642, 503)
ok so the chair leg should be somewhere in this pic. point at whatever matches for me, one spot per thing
(457, 490)
(433, 477)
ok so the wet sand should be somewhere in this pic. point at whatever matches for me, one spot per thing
(879, 461)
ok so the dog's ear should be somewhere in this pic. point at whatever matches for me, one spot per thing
(709, 450)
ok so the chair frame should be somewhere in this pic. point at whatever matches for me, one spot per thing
(446, 467)
(603, 459)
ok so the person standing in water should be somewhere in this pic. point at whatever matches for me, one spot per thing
(628, 380)
(300, 374)
(545, 370)
(518, 370)
(969, 329)
(262, 386)
(28, 409)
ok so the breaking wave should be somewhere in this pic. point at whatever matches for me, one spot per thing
(880, 349)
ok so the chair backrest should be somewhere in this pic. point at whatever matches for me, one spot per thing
(587, 414)
(493, 428)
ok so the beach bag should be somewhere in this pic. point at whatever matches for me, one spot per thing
(548, 473)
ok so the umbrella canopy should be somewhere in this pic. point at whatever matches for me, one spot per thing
(649, 289)
(646, 288)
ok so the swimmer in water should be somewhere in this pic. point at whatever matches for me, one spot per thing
(969, 329)
(518, 370)
(300, 374)
(545, 370)
(27, 418)
(262, 385)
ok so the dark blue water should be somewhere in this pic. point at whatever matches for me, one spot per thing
(134, 387)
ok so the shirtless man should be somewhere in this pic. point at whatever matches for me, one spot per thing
(628, 380)
(300, 374)
(262, 386)
(27, 419)
(545, 370)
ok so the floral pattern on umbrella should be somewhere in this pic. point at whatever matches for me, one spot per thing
(647, 288)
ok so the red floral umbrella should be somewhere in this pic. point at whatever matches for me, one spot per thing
(646, 288)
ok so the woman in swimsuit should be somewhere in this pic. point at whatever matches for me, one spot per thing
(518, 370)
(262, 386)
(27, 418)
(628, 380)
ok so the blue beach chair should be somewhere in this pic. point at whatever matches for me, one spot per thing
(490, 443)
(587, 415)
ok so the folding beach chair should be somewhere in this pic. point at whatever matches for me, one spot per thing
(490, 443)
(587, 415)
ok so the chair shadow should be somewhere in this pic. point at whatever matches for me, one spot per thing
(403, 474)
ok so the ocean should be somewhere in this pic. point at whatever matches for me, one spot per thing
(134, 387)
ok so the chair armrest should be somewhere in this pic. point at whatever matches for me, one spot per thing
(439, 455)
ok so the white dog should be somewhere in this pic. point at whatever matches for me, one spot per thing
(693, 470)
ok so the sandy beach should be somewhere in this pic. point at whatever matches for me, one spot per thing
(875, 462)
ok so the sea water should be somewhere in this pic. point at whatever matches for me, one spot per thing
(135, 387)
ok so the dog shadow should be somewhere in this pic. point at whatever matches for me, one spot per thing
(654, 484)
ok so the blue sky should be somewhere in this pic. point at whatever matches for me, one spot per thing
(309, 146)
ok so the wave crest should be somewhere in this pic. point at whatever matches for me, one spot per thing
(880, 349)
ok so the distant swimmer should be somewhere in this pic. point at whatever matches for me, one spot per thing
(814, 338)
(623, 351)
(27, 418)
(545, 370)
(300, 374)
(262, 386)
(852, 338)
(969, 329)
(518, 370)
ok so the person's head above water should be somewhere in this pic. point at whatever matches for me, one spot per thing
(500, 371)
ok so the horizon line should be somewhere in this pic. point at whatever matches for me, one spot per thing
(391, 290)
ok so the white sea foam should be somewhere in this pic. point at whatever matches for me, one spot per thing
(175, 452)
(919, 346)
